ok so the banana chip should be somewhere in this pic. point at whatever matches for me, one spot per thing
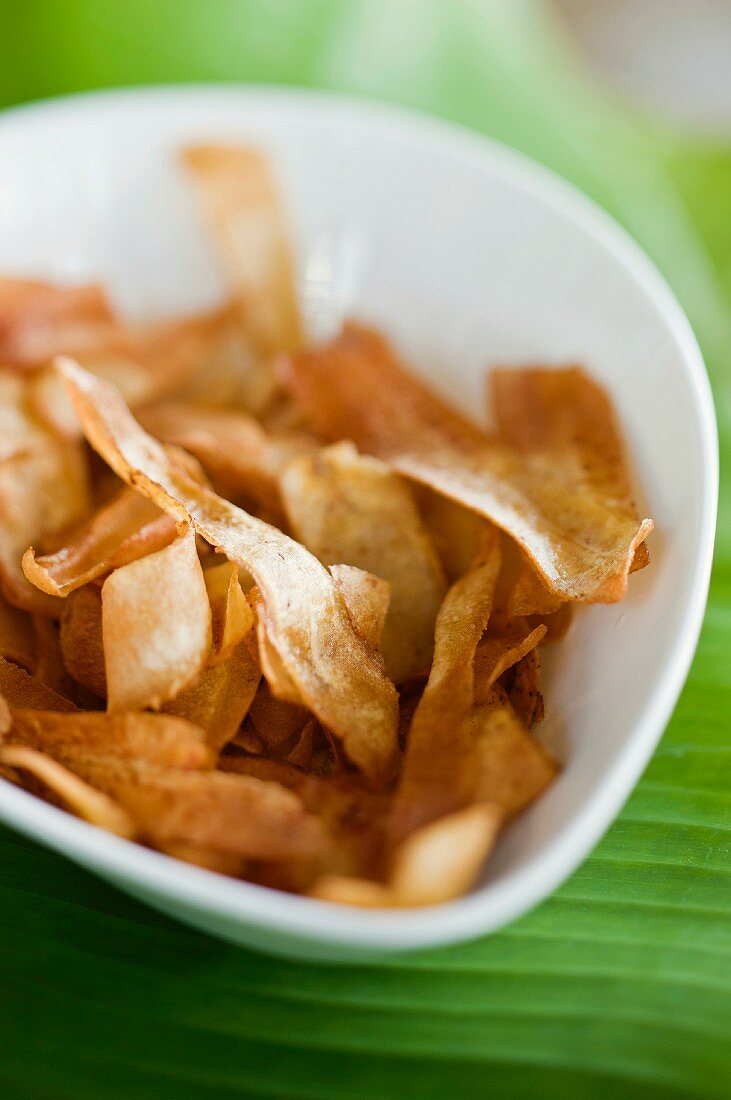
(580, 536)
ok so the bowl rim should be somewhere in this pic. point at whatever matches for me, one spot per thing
(317, 922)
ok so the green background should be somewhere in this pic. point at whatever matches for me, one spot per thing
(619, 984)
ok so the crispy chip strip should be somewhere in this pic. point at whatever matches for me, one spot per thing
(240, 457)
(336, 675)
(513, 769)
(81, 640)
(228, 813)
(564, 416)
(231, 614)
(438, 862)
(367, 599)
(581, 538)
(235, 373)
(350, 508)
(522, 687)
(127, 528)
(79, 797)
(153, 360)
(441, 860)
(439, 772)
(156, 626)
(17, 639)
(41, 491)
(275, 720)
(348, 890)
(155, 739)
(353, 813)
(49, 665)
(20, 689)
(454, 530)
(495, 655)
(219, 700)
(237, 192)
(39, 320)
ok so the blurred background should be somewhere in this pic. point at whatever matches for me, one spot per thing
(617, 986)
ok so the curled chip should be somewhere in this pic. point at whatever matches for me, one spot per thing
(578, 534)
(127, 528)
(346, 507)
(439, 772)
(231, 614)
(238, 196)
(156, 626)
(513, 768)
(442, 859)
(81, 640)
(38, 320)
(78, 796)
(44, 487)
(497, 653)
(17, 637)
(219, 700)
(243, 461)
(21, 690)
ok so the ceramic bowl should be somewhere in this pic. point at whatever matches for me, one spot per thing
(466, 254)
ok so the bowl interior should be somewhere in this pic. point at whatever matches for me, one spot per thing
(467, 256)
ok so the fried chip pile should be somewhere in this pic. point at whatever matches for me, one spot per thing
(276, 609)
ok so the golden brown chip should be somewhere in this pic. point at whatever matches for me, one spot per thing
(367, 599)
(47, 399)
(306, 620)
(230, 813)
(21, 690)
(17, 638)
(580, 534)
(438, 862)
(347, 890)
(350, 508)
(497, 653)
(564, 417)
(513, 767)
(237, 192)
(243, 461)
(352, 812)
(235, 373)
(521, 591)
(275, 720)
(156, 739)
(210, 859)
(439, 772)
(441, 860)
(219, 700)
(42, 490)
(231, 614)
(455, 530)
(49, 665)
(39, 320)
(151, 361)
(156, 626)
(298, 750)
(81, 640)
(127, 528)
(522, 686)
(74, 793)
(281, 684)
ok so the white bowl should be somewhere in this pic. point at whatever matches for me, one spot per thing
(466, 254)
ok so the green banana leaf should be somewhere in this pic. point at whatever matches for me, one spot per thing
(620, 983)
